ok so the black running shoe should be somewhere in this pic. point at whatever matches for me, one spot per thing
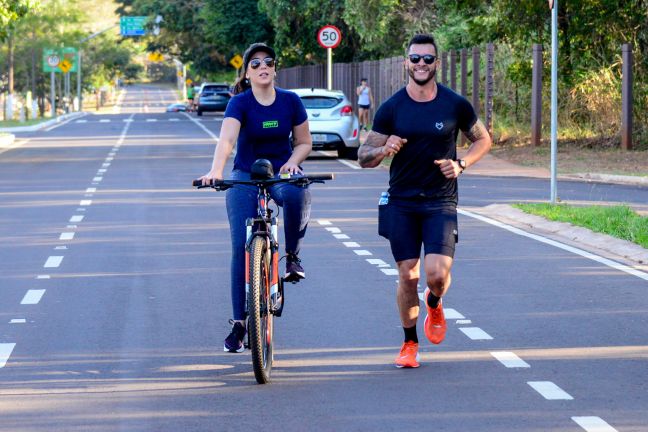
(294, 270)
(234, 342)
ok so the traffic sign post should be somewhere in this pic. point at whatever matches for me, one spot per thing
(329, 37)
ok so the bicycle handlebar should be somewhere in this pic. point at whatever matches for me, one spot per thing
(301, 180)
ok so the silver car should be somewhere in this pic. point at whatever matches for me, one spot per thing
(333, 124)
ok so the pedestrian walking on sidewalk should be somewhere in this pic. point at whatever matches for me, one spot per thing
(418, 127)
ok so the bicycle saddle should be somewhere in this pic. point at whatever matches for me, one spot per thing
(262, 170)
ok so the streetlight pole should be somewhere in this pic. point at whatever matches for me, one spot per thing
(554, 98)
(80, 54)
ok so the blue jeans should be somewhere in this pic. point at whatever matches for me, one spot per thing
(241, 203)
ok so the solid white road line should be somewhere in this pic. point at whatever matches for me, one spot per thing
(53, 262)
(66, 236)
(475, 333)
(362, 252)
(200, 125)
(549, 390)
(32, 297)
(76, 218)
(593, 424)
(559, 245)
(509, 359)
(334, 230)
(350, 244)
(5, 352)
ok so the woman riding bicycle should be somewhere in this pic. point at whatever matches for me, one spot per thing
(259, 120)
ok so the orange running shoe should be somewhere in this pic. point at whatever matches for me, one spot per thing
(435, 324)
(408, 356)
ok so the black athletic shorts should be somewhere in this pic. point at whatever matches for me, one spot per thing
(410, 223)
(364, 106)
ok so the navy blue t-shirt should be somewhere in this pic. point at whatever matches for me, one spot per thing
(431, 130)
(265, 130)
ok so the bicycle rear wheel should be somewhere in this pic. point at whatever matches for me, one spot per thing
(260, 319)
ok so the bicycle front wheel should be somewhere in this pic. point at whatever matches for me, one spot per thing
(260, 319)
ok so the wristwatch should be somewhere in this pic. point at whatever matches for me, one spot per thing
(462, 164)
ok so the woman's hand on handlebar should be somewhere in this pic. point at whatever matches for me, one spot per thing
(211, 176)
(290, 167)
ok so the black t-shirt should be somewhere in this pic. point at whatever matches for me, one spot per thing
(431, 130)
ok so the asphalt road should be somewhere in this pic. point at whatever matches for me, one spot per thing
(116, 300)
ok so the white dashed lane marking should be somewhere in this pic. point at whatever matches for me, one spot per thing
(341, 236)
(324, 222)
(549, 390)
(351, 244)
(334, 230)
(33, 297)
(509, 359)
(475, 333)
(5, 352)
(66, 236)
(390, 271)
(362, 252)
(53, 262)
(18, 321)
(85, 203)
(593, 424)
(377, 262)
(76, 218)
(43, 277)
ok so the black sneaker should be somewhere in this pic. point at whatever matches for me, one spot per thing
(294, 270)
(234, 342)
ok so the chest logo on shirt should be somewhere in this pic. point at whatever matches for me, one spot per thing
(439, 125)
(270, 124)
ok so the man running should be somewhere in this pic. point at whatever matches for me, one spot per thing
(418, 127)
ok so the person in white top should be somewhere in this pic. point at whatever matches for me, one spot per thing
(365, 101)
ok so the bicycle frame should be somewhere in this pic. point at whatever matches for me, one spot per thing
(266, 226)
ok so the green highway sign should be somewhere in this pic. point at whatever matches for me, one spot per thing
(132, 25)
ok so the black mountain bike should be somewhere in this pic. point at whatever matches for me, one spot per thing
(265, 296)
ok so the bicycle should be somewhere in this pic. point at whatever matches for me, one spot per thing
(265, 296)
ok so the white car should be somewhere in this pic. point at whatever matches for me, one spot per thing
(333, 124)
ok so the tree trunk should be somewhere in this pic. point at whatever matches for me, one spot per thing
(10, 42)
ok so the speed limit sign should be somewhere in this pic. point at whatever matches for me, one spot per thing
(53, 60)
(329, 36)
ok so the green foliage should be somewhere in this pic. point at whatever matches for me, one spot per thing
(618, 221)
(11, 11)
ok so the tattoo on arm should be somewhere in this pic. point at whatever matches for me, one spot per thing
(370, 153)
(477, 132)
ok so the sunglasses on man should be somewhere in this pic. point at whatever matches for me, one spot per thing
(255, 62)
(427, 58)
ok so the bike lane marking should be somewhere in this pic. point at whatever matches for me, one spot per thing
(593, 424)
(549, 390)
(5, 352)
(33, 296)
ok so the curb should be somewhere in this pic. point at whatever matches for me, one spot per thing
(6, 140)
(608, 178)
(44, 124)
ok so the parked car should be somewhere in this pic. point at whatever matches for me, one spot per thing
(176, 107)
(212, 97)
(332, 122)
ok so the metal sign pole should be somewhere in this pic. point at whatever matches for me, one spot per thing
(53, 93)
(554, 99)
(329, 68)
(79, 96)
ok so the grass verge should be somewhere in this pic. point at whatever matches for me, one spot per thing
(16, 123)
(617, 221)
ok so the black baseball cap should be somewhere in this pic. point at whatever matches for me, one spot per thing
(255, 48)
